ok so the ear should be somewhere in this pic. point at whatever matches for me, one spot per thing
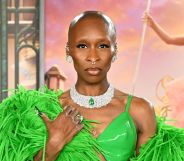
(115, 48)
(67, 49)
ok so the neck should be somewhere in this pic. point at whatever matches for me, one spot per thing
(95, 89)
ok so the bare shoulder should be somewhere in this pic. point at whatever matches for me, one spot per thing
(120, 95)
(120, 99)
(142, 106)
(143, 114)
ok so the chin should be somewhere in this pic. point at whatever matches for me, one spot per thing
(94, 80)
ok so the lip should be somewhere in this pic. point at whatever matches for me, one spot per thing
(93, 71)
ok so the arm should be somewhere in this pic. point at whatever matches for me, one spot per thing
(174, 40)
(51, 152)
(144, 118)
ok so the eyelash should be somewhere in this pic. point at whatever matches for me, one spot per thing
(102, 46)
(81, 46)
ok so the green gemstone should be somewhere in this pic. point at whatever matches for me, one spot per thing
(91, 101)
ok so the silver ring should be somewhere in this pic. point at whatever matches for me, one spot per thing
(80, 117)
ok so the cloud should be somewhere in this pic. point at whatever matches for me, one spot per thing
(158, 58)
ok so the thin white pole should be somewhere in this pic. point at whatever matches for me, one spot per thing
(137, 67)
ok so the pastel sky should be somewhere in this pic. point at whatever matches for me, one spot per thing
(158, 59)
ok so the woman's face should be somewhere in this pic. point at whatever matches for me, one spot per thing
(91, 48)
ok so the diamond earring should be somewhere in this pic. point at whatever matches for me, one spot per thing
(114, 57)
(69, 59)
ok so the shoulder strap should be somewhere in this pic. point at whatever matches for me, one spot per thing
(129, 99)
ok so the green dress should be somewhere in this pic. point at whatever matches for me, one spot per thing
(23, 133)
(118, 140)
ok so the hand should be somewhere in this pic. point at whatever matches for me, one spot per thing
(148, 19)
(61, 130)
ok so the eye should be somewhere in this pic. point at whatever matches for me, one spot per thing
(104, 46)
(81, 46)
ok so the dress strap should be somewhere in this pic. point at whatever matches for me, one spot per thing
(129, 99)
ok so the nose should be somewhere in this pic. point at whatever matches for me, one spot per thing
(93, 55)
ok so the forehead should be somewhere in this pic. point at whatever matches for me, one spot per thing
(90, 27)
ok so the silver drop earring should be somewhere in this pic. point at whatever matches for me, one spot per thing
(114, 57)
(69, 59)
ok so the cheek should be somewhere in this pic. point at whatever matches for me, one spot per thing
(107, 58)
(78, 55)
(78, 62)
(107, 65)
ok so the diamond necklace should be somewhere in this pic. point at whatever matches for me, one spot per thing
(92, 101)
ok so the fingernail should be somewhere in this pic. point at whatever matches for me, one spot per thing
(64, 108)
(38, 112)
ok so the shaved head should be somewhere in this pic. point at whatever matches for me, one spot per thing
(97, 15)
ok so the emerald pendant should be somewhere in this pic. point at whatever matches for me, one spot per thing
(91, 101)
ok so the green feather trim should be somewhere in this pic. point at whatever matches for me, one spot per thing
(23, 133)
(166, 145)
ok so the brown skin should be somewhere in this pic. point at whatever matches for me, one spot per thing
(166, 37)
(90, 41)
(60, 132)
(88, 44)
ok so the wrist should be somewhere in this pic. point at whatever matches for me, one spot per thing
(52, 150)
(54, 145)
(153, 25)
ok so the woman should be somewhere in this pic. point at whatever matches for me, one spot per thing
(92, 48)
(167, 38)
(175, 94)
(98, 122)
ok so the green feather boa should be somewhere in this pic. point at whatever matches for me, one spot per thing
(23, 133)
(166, 145)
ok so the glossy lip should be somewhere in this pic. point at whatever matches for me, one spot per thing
(93, 71)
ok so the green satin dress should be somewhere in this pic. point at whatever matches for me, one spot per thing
(119, 139)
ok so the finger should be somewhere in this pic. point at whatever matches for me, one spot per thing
(45, 119)
(68, 110)
(79, 119)
(146, 13)
(79, 127)
(75, 116)
(65, 107)
(144, 19)
(65, 113)
(76, 129)
(74, 113)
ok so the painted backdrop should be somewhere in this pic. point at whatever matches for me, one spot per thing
(159, 61)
